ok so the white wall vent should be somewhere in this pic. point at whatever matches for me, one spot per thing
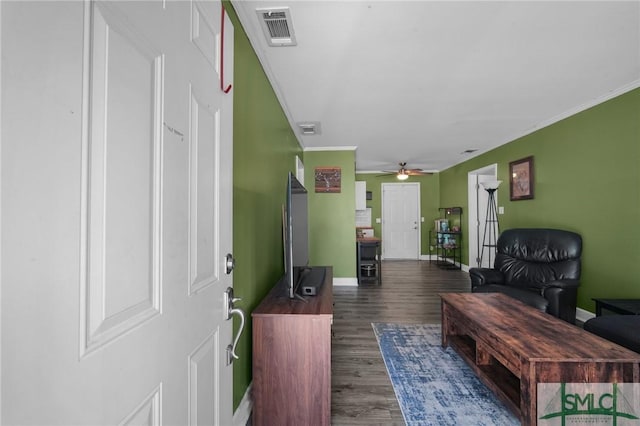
(277, 26)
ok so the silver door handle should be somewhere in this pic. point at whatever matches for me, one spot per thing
(229, 311)
(229, 263)
(231, 349)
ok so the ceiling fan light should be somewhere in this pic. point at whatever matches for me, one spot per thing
(402, 176)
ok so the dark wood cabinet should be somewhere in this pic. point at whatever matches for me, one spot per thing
(368, 260)
(292, 358)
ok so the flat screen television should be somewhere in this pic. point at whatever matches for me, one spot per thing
(296, 234)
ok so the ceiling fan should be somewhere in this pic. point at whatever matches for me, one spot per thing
(403, 173)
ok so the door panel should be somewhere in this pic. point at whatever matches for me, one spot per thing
(148, 412)
(203, 180)
(121, 184)
(116, 139)
(401, 220)
(203, 388)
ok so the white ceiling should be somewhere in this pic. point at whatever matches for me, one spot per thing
(423, 81)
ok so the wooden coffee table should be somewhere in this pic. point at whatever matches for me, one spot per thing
(512, 347)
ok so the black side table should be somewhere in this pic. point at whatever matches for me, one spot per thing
(619, 306)
(368, 259)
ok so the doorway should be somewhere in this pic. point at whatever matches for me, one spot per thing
(478, 199)
(401, 220)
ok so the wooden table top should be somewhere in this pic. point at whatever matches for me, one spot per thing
(533, 333)
(368, 239)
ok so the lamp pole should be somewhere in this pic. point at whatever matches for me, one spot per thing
(491, 225)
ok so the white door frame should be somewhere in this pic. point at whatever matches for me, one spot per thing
(418, 217)
(477, 211)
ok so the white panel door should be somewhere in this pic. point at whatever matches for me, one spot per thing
(116, 213)
(401, 220)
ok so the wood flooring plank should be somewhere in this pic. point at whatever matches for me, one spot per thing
(361, 392)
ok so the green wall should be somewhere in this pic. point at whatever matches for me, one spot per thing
(332, 228)
(587, 180)
(429, 201)
(264, 150)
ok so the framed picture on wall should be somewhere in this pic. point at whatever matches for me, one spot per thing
(328, 179)
(521, 179)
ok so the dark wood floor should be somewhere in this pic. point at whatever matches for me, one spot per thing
(361, 390)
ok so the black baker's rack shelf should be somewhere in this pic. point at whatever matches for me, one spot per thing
(445, 242)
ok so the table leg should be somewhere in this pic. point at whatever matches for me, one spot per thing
(528, 394)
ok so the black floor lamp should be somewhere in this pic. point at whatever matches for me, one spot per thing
(491, 225)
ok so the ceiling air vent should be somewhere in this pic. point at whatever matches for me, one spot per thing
(277, 26)
(309, 128)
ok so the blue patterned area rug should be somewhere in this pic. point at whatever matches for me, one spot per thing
(434, 386)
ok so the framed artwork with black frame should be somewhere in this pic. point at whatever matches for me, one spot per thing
(521, 179)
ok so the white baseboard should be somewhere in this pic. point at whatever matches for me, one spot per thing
(583, 315)
(345, 282)
(242, 414)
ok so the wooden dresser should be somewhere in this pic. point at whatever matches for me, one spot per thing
(292, 358)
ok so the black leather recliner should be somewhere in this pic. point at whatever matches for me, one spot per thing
(540, 267)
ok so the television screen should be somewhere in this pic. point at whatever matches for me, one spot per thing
(296, 233)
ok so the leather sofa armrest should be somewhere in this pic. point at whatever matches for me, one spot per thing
(482, 276)
(562, 300)
(566, 284)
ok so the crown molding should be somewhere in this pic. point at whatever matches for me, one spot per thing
(330, 148)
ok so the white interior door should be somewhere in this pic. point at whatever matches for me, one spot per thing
(116, 213)
(401, 220)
